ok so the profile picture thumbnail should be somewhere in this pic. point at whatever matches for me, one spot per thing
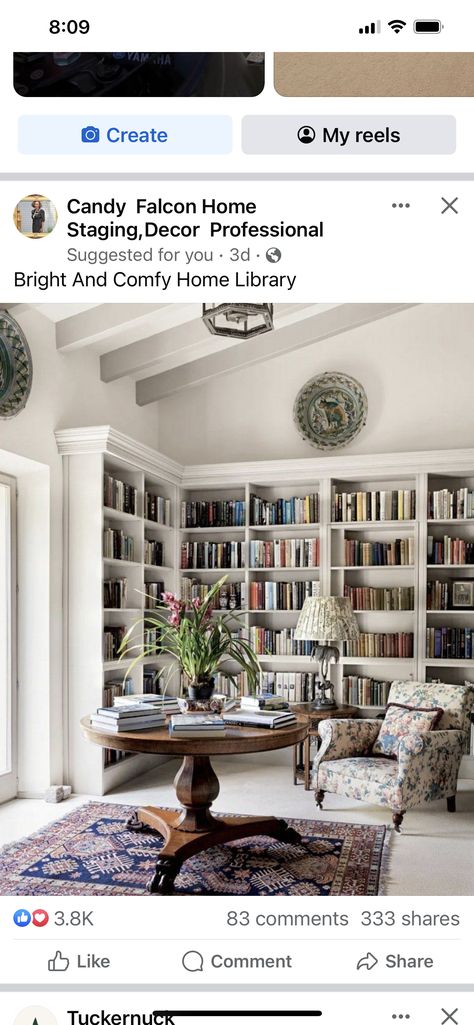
(35, 216)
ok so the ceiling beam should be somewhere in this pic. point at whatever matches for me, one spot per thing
(183, 341)
(123, 322)
(334, 321)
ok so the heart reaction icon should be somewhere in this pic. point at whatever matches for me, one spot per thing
(40, 918)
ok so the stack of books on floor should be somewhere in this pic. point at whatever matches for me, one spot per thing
(128, 718)
(192, 725)
(163, 702)
(262, 718)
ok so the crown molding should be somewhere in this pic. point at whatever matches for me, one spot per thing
(105, 439)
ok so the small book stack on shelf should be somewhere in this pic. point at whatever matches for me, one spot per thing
(128, 718)
(152, 552)
(118, 545)
(113, 637)
(373, 506)
(193, 725)
(450, 551)
(439, 595)
(224, 513)
(284, 511)
(363, 690)
(153, 591)
(278, 642)
(451, 505)
(120, 496)
(158, 509)
(381, 599)
(115, 593)
(231, 596)
(260, 718)
(284, 553)
(400, 552)
(291, 687)
(377, 645)
(212, 555)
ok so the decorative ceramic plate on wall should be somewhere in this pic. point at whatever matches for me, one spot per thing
(16, 367)
(330, 410)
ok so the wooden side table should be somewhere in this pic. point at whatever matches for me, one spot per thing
(313, 716)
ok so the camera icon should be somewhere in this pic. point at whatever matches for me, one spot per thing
(90, 134)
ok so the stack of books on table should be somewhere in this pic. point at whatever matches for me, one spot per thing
(163, 702)
(128, 718)
(260, 717)
(266, 700)
(191, 724)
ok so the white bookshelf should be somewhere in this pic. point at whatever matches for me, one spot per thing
(86, 452)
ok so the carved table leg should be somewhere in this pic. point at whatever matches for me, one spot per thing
(166, 870)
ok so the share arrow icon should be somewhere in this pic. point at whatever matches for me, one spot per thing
(368, 961)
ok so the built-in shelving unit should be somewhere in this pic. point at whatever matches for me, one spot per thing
(88, 453)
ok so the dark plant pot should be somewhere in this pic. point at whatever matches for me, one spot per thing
(201, 691)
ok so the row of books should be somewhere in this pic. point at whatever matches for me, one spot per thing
(230, 596)
(151, 636)
(451, 505)
(260, 718)
(450, 551)
(153, 591)
(192, 724)
(119, 495)
(386, 599)
(365, 691)
(212, 555)
(118, 545)
(224, 513)
(266, 512)
(287, 595)
(112, 639)
(158, 509)
(449, 642)
(115, 593)
(282, 552)
(290, 686)
(278, 642)
(439, 595)
(380, 645)
(374, 506)
(400, 552)
(153, 552)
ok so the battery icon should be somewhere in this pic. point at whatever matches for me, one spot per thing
(423, 26)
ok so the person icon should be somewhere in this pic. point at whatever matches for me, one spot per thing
(306, 134)
(38, 217)
(35, 216)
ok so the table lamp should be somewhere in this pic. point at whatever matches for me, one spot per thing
(326, 620)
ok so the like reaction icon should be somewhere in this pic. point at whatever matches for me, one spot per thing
(40, 918)
(58, 963)
(22, 918)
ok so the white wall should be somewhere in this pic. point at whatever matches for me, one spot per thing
(67, 392)
(417, 368)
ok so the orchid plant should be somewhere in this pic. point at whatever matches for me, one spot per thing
(199, 642)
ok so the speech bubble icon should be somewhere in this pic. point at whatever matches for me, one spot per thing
(193, 961)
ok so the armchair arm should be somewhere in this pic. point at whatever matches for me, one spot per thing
(346, 738)
(428, 765)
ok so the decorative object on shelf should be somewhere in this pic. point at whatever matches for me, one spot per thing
(330, 410)
(325, 620)
(238, 320)
(214, 703)
(463, 594)
(199, 643)
(16, 367)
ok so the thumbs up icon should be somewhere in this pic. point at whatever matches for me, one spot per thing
(58, 963)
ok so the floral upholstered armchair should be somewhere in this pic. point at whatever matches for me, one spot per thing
(420, 767)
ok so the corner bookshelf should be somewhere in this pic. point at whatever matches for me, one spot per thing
(88, 453)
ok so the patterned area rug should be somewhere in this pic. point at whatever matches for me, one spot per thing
(91, 852)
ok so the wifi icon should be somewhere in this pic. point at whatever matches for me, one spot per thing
(397, 25)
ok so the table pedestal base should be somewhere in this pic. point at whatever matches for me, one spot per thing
(194, 828)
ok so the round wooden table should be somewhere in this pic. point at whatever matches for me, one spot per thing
(195, 828)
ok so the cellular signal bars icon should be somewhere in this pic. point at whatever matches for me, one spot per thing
(373, 29)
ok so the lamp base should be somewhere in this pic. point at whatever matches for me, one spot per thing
(323, 704)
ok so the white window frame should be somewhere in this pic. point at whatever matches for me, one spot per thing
(9, 779)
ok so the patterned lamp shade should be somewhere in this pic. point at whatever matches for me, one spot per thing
(327, 619)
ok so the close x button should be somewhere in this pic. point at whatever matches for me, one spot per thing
(449, 205)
